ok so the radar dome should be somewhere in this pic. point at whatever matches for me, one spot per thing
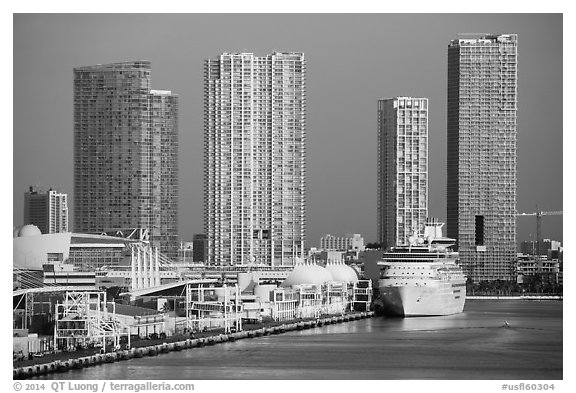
(342, 272)
(307, 274)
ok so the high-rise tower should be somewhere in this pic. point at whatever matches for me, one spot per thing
(481, 145)
(47, 210)
(402, 168)
(125, 153)
(254, 158)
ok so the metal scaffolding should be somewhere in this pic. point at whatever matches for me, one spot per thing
(362, 295)
(207, 312)
(86, 318)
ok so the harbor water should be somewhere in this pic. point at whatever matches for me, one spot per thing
(470, 345)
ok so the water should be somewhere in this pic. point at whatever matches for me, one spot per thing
(471, 345)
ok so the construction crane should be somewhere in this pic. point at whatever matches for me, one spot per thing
(539, 214)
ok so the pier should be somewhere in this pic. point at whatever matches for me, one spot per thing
(82, 361)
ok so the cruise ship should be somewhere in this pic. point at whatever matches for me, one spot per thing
(421, 278)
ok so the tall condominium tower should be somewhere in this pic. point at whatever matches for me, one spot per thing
(481, 183)
(254, 158)
(47, 210)
(402, 168)
(125, 153)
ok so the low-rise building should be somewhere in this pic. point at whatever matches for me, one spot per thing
(87, 252)
(326, 256)
(342, 243)
(64, 275)
(143, 322)
(546, 246)
(548, 269)
(200, 245)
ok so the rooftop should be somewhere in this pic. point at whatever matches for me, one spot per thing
(133, 311)
(483, 38)
(119, 65)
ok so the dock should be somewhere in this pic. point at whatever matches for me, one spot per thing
(81, 361)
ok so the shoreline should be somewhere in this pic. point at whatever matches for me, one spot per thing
(515, 297)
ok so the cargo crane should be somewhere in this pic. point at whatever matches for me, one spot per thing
(539, 214)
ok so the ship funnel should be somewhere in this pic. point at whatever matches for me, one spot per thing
(433, 228)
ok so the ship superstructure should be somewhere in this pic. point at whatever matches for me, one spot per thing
(423, 277)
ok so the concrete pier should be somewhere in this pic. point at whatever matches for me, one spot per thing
(153, 350)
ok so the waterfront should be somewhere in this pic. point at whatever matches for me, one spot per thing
(471, 345)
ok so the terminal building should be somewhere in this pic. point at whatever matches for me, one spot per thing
(55, 274)
(87, 261)
(86, 252)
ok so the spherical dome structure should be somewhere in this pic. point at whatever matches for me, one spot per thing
(322, 272)
(342, 272)
(29, 230)
(307, 274)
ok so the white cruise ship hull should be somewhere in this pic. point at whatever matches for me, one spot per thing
(414, 301)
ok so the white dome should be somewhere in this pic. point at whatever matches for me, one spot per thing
(29, 230)
(307, 274)
(342, 272)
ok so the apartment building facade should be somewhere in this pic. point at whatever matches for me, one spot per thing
(481, 146)
(254, 158)
(47, 210)
(125, 153)
(402, 168)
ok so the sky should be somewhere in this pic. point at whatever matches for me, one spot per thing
(352, 61)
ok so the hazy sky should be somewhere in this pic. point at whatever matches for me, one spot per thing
(352, 61)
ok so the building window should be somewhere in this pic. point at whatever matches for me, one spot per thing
(479, 231)
(55, 257)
